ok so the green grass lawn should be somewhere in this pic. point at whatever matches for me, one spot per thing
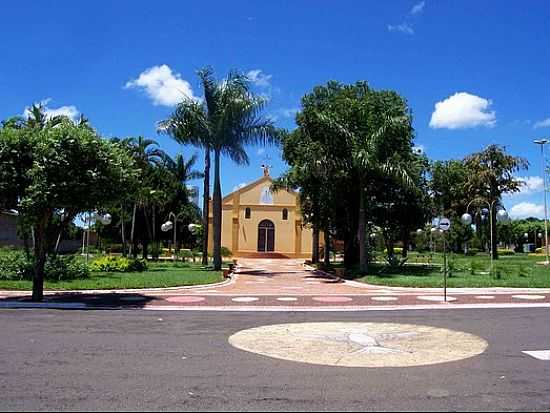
(519, 270)
(158, 275)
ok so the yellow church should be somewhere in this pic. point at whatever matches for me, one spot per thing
(257, 222)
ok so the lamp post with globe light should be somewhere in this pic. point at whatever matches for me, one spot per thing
(92, 219)
(502, 216)
(542, 143)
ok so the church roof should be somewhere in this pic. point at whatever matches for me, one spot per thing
(264, 179)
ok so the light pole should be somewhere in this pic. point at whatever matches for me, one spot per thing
(502, 216)
(94, 218)
(168, 225)
(542, 143)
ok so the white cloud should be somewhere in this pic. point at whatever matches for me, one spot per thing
(533, 185)
(258, 78)
(463, 110)
(241, 185)
(527, 210)
(163, 86)
(402, 28)
(542, 124)
(70, 111)
(418, 8)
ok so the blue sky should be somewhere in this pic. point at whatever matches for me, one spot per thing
(488, 63)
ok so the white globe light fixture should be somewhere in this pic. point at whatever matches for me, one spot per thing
(106, 219)
(193, 228)
(167, 226)
(419, 231)
(466, 219)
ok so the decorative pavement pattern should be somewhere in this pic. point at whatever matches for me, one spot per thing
(347, 344)
(284, 285)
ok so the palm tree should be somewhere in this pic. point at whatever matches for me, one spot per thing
(228, 119)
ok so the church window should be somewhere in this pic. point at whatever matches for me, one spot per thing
(247, 213)
(285, 214)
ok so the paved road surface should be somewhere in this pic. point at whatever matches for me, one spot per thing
(149, 360)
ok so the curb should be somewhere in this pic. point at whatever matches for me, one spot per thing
(230, 280)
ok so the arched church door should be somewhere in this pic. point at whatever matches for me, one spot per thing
(266, 236)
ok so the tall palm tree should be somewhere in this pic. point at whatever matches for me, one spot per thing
(228, 119)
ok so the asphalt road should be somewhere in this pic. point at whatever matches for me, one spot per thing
(147, 360)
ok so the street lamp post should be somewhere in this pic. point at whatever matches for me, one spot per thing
(542, 143)
(502, 216)
(94, 218)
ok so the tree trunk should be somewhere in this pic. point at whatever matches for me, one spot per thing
(315, 246)
(362, 233)
(132, 232)
(40, 256)
(327, 246)
(217, 214)
(206, 207)
(122, 230)
(494, 246)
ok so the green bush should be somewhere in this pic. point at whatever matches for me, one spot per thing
(14, 265)
(65, 269)
(226, 252)
(118, 264)
(505, 252)
(396, 251)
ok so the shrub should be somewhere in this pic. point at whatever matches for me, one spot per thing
(226, 252)
(15, 265)
(118, 264)
(65, 269)
(505, 252)
(396, 251)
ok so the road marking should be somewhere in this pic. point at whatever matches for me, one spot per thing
(245, 299)
(539, 354)
(333, 299)
(485, 297)
(384, 298)
(529, 297)
(437, 298)
(187, 299)
(287, 299)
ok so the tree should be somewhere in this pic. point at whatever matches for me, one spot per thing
(226, 121)
(52, 168)
(490, 175)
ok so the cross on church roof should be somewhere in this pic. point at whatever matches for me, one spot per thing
(266, 167)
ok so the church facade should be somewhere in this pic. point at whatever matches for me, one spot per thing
(259, 223)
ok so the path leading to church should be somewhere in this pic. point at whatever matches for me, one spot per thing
(287, 285)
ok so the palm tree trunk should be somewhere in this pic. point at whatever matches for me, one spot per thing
(122, 230)
(206, 207)
(327, 245)
(315, 252)
(362, 228)
(132, 232)
(217, 214)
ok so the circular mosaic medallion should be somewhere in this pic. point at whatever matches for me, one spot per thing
(359, 344)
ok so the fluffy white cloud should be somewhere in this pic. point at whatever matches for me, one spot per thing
(163, 86)
(542, 124)
(402, 28)
(418, 8)
(241, 185)
(527, 210)
(462, 110)
(70, 111)
(533, 184)
(259, 78)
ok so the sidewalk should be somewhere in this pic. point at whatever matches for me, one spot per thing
(275, 285)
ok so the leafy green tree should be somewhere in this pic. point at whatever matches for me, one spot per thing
(52, 169)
